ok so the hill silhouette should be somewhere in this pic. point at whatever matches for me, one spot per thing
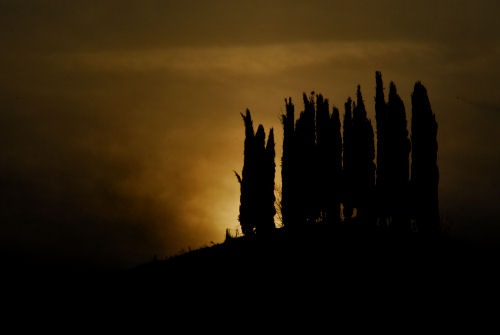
(347, 222)
(345, 256)
(355, 221)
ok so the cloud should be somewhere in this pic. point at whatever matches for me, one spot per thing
(262, 60)
(94, 25)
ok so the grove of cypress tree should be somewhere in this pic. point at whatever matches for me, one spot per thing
(311, 163)
(424, 170)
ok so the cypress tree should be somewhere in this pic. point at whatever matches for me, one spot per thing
(246, 181)
(424, 169)
(324, 158)
(364, 168)
(257, 198)
(306, 181)
(381, 174)
(268, 198)
(348, 162)
(335, 167)
(260, 180)
(397, 159)
(288, 166)
(329, 160)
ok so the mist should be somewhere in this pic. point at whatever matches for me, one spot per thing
(120, 125)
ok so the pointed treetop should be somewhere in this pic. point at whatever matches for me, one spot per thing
(419, 88)
(335, 112)
(308, 101)
(270, 141)
(322, 108)
(419, 96)
(325, 104)
(319, 99)
(379, 88)
(304, 97)
(359, 98)
(247, 119)
(378, 79)
(359, 109)
(348, 110)
(392, 90)
(288, 117)
(260, 136)
(246, 115)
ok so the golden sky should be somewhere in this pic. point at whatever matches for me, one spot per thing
(120, 125)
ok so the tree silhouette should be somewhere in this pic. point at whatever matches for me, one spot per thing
(335, 167)
(382, 175)
(266, 224)
(257, 180)
(397, 151)
(424, 169)
(311, 163)
(363, 166)
(246, 194)
(328, 160)
(348, 162)
(260, 180)
(306, 181)
(324, 161)
(288, 166)
(322, 169)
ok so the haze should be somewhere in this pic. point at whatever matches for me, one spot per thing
(120, 125)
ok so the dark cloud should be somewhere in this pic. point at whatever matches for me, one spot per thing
(84, 25)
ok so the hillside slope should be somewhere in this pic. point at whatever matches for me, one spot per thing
(340, 256)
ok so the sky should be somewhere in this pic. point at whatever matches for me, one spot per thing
(120, 121)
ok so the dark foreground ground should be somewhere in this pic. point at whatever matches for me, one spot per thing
(341, 256)
(320, 271)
